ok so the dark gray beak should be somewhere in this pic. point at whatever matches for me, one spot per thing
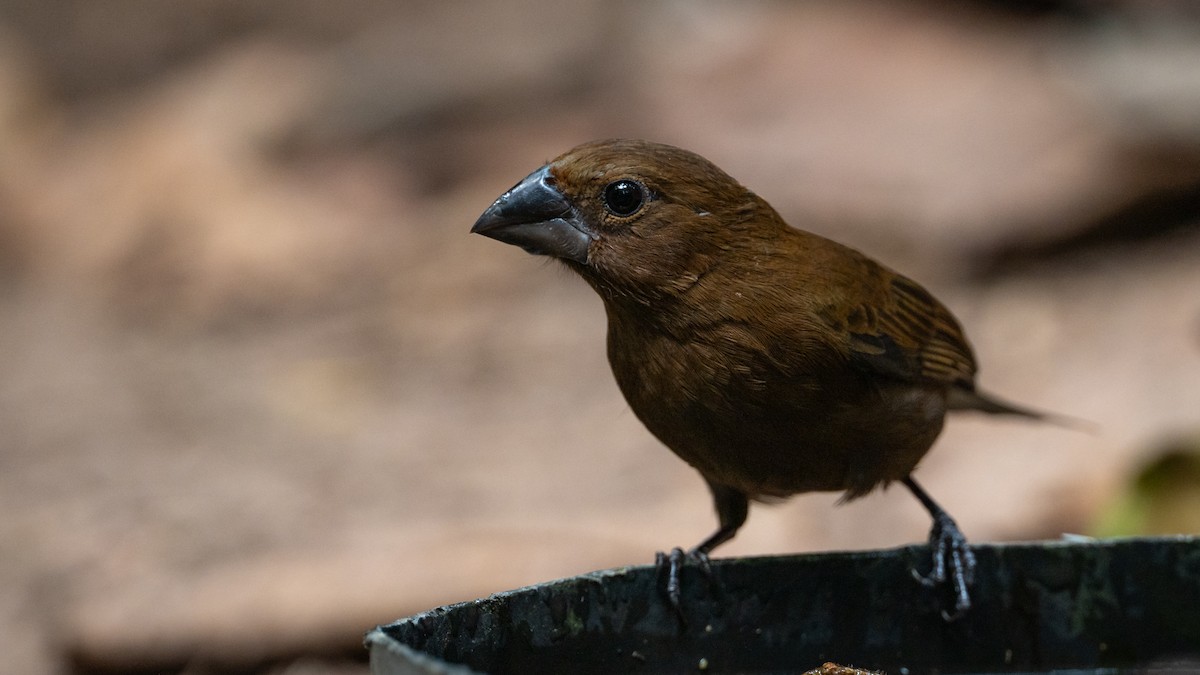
(535, 216)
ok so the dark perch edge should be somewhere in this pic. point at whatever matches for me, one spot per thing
(1038, 606)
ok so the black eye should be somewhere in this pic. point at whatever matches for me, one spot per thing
(624, 197)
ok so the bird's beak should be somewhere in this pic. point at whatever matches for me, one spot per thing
(537, 217)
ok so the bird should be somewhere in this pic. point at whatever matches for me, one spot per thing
(771, 359)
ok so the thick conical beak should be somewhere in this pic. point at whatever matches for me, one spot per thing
(537, 217)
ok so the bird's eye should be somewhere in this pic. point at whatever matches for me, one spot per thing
(624, 197)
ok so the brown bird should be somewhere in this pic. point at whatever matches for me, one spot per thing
(772, 360)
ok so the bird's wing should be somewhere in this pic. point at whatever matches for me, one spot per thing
(902, 331)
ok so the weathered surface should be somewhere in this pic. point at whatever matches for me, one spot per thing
(1038, 606)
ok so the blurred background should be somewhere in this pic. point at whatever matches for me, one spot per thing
(262, 391)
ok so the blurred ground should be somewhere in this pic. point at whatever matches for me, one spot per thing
(261, 391)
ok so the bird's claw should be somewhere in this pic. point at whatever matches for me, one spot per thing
(672, 563)
(953, 561)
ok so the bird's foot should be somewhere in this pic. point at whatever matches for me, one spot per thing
(953, 562)
(672, 563)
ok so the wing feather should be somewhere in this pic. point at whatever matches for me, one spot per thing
(904, 332)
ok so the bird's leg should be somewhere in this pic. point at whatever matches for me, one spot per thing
(953, 560)
(732, 507)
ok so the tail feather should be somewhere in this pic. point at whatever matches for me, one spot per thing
(965, 399)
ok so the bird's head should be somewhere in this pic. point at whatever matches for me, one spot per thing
(637, 219)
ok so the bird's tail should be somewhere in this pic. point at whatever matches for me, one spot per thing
(963, 399)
